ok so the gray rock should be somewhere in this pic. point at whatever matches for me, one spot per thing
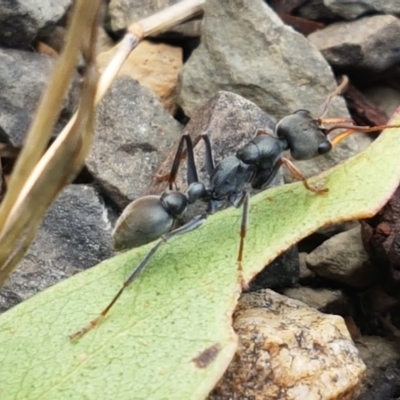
(122, 13)
(332, 230)
(15, 120)
(283, 271)
(387, 386)
(23, 78)
(384, 97)
(245, 48)
(133, 135)
(343, 259)
(376, 352)
(347, 9)
(305, 273)
(8, 154)
(75, 234)
(22, 21)
(188, 29)
(55, 38)
(316, 9)
(323, 300)
(346, 46)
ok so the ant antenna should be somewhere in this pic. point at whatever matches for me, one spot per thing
(353, 129)
(339, 90)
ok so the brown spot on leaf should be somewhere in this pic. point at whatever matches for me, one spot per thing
(206, 357)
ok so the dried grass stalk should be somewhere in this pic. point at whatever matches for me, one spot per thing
(37, 179)
(64, 158)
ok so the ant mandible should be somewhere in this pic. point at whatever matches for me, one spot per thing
(256, 163)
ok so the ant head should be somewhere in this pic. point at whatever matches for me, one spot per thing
(174, 202)
(304, 135)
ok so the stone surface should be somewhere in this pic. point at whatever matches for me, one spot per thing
(305, 273)
(21, 21)
(154, 65)
(379, 311)
(387, 386)
(384, 97)
(376, 352)
(245, 48)
(75, 234)
(381, 239)
(347, 48)
(122, 13)
(133, 135)
(289, 351)
(188, 29)
(323, 300)
(342, 258)
(347, 9)
(283, 271)
(332, 230)
(56, 40)
(104, 42)
(23, 78)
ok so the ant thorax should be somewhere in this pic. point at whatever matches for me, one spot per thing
(229, 177)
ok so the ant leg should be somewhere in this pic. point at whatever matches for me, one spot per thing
(191, 170)
(262, 131)
(330, 121)
(340, 89)
(341, 136)
(351, 128)
(243, 230)
(182, 154)
(189, 226)
(264, 177)
(177, 159)
(192, 175)
(298, 175)
(209, 156)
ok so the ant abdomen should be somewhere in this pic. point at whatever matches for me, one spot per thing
(143, 221)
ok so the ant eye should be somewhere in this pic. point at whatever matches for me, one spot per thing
(324, 147)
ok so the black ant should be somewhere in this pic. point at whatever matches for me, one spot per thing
(256, 163)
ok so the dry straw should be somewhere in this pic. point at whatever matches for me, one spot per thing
(39, 175)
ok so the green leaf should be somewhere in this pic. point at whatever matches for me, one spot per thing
(170, 335)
